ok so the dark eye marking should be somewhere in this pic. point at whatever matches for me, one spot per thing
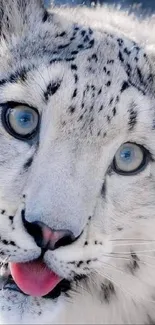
(19, 75)
(132, 118)
(52, 89)
(28, 163)
(103, 190)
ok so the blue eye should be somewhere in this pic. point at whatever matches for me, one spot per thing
(130, 158)
(21, 121)
(24, 119)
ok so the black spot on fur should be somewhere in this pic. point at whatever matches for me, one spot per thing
(120, 41)
(73, 66)
(74, 93)
(3, 211)
(133, 266)
(132, 118)
(90, 31)
(69, 59)
(126, 51)
(94, 57)
(5, 242)
(80, 118)
(91, 43)
(55, 60)
(72, 109)
(63, 46)
(117, 99)
(100, 90)
(80, 46)
(12, 243)
(88, 261)
(119, 228)
(79, 263)
(108, 83)
(111, 101)
(140, 76)
(120, 57)
(114, 111)
(61, 34)
(46, 16)
(86, 243)
(108, 119)
(74, 52)
(128, 69)
(51, 89)
(83, 32)
(110, 61)
(125, 85)
(76, 78)
(107, 291)
(101, 108)
(11, 219)
(28, 163)
(86, 38)
(93, 87)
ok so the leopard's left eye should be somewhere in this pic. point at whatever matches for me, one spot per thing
(130, 159)
(20, 120)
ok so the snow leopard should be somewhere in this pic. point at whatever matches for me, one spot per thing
(77, 165)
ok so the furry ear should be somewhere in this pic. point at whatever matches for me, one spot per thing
(15, 15)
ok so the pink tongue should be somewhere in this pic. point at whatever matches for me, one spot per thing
(34, 278)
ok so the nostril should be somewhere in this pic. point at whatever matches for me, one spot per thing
(67, 239)
(33, 229)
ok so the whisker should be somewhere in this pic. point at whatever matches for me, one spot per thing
(113, 266)
(116, 257)
(132, 239)
(131, 243)
(129, 259)
(129, 253)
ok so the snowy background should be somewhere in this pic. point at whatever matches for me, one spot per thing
(145, 6)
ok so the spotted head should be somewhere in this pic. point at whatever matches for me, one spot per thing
(77, 135)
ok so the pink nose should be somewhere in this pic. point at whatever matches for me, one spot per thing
(47, 238)
(53, 239)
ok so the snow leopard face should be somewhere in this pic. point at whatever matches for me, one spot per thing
(77, 171)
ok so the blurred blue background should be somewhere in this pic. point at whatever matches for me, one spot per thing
(139, 6)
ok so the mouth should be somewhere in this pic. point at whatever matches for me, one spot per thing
(35, 279)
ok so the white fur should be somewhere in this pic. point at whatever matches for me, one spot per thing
(63, 185)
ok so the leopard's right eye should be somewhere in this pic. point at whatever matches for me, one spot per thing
(130, 159)
(20, 120)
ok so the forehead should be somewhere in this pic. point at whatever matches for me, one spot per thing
(84, 72)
